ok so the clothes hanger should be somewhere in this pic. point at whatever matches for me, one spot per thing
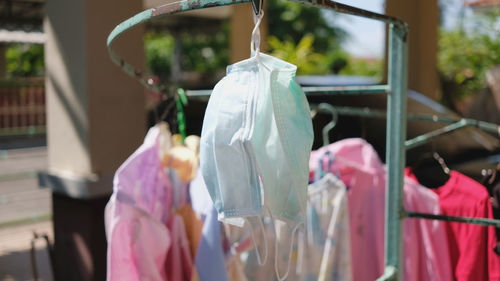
(490, 178)
(327, 108)
(431, 170)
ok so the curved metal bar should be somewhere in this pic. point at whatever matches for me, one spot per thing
(187, 5)
(160, 11)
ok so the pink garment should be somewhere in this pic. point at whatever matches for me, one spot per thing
(471, 246)
(179, 261)
(137, 245)
(136, 218)
(425, 247)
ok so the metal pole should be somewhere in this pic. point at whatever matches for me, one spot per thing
(425, 138)
(395, 150)
(470, 220)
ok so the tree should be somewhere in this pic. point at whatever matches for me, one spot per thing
(466, 53)
(301, 35)
(203, 51)
(25, 60)
(290, 21)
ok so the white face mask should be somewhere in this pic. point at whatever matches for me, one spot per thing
(282, 140)
(257, 123)
(226, 160)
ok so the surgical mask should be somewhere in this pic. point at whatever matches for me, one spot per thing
(257, 123)
(227, 160)
(282, 140)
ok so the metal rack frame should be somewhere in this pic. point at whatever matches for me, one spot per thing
(395, 89)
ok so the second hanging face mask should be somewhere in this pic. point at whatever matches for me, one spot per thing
(282, 140)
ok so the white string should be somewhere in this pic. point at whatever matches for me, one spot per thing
(276, 253)
(252, 236)
(300, 259)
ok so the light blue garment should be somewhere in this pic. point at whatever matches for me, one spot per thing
(209, 260)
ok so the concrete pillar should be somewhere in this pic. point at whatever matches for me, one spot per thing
(423, 19)
(241, 31)
(95, 120)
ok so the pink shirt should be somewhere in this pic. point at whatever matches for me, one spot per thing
(145, 241)
(471, 246)
(179, 263)
(425, 247)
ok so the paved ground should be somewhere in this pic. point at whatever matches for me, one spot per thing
(24, 209)
(20, 196)
(15, 256)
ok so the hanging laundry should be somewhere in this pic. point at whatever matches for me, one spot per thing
(193, 226)
(210, 262)
(179, 263)
(323, 253)
(136, 216)
(210, 258)
(328, 198)
(425, 249)
(471, 246)
(151, 229)
(492, 183)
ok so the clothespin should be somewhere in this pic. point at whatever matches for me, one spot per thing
(180, 101)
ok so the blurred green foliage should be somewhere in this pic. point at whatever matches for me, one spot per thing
(466, 54)
(364, 67)
(310, 62)
(159, 49)
(24, 60)
(200, 52)
(291, 21)
(206, 52)
(302, 55)
(299, 34)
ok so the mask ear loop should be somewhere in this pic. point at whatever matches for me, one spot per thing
(301, 246)
(276, 253)
(260, 261)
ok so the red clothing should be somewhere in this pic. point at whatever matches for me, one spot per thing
(471, 246)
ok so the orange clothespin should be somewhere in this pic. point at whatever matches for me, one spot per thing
(182, 158)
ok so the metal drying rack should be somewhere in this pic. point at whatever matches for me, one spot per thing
(395, 89)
